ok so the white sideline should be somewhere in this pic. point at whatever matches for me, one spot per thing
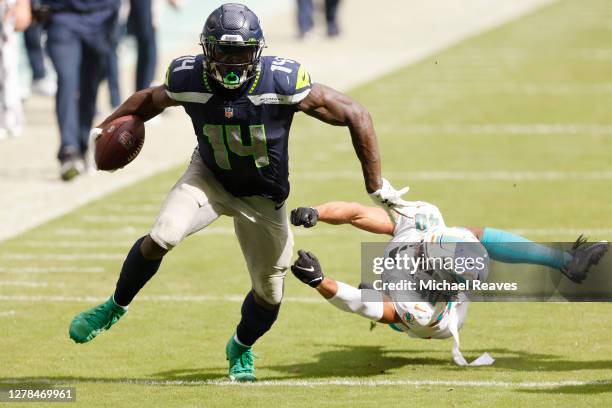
(344, 382)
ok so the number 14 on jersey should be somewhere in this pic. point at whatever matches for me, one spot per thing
(258, 148)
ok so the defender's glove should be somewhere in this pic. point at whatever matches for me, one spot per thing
(307, 268)
(389, 198)
(306, 216)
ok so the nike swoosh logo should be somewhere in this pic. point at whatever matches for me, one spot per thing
(311, 269)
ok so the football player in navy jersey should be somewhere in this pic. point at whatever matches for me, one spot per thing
(241, 105)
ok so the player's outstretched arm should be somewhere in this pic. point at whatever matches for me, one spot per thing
(146, 104)
(335, 108)
(345, 297)
(371, 219)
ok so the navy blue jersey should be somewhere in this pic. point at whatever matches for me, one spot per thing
(243, 135)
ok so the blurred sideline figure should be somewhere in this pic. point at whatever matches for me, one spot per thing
(42, 84)
(137, 18)
(112, 77)
(305, 17)
(141, 24)
(79, 42)
(15, 15)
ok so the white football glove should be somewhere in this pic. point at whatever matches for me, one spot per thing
(90, 161)
(389, 198)
(94, 135)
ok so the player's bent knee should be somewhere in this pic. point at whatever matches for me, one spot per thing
(270, 292)
(166, 234)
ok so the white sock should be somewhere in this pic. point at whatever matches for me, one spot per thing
(115, 302)
(238, 341)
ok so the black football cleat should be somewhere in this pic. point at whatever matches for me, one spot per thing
(583, 257)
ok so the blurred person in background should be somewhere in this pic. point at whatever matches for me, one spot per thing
(15, 15)
(80, 42)
(141, 24)
(137, 18)
(306, 21)
(42, 84)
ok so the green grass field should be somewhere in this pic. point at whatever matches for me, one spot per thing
(509, 129)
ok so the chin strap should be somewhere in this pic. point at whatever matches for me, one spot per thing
(484, 360)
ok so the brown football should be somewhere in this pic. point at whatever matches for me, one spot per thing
(120, 142)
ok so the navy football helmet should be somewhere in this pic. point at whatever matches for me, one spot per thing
(232, 40)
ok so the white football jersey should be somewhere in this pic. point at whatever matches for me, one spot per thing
(420, 318)
(420, 219)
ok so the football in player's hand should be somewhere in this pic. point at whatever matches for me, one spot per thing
(120, 142)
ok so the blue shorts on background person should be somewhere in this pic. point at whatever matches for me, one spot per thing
(79, 42)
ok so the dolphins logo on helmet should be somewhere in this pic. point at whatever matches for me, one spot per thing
(232, 40)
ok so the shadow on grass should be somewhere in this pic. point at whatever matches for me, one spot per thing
(187, 375)
(360, 361)
(368, 361)
(521, 360)
(595, 388)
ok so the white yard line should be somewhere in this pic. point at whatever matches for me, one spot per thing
(435, 89)
(324, 231)
(118, 219)
(53, 269)
(342, 382)
(519, 129)
(78, 244)
(31, 284)
(88, 232)
(147, 298)
(545, 175)
(605, 232)
(8, 313)
(75, 231)
(18, 256)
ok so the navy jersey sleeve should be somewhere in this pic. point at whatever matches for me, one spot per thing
(183, 80)
(290, 78)
(284, 81)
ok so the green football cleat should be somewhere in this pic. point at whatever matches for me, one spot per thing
(241, 365)
(87, 325)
